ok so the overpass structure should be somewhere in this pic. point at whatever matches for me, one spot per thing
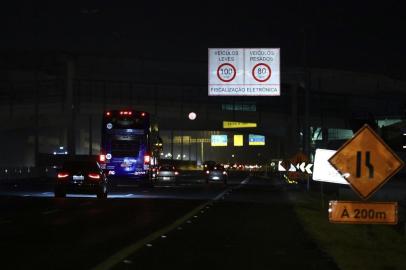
(53, 100)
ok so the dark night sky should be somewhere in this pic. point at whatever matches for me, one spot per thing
(344, 35)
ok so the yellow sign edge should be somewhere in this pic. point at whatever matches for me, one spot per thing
(366, 126)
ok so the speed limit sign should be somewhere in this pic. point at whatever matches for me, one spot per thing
(261, 72)
(226, 72)
(244, 72)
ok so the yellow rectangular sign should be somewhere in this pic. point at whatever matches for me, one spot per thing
(238, 140)
(218, 140)
(363, 212)
(231, 124)
(254, 139)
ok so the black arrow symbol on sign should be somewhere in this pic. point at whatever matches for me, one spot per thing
(367, 163)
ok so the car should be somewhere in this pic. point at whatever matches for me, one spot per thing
(167, 173)
(81, 176)
(209, 164)
(217, 173)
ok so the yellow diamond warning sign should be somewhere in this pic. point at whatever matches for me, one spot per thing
(366, 162)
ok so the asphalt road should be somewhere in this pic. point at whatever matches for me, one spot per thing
(38, 231)
(242, 226)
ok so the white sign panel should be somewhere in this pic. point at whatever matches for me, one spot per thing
(323, 171)
(244, 72)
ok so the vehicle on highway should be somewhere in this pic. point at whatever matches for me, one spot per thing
(217, 173)
(167, 173)
(209, 164)
(81, 176)
(130, 145)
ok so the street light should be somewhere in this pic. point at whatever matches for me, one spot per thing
(192, 116)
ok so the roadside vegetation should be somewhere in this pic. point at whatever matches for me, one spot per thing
(353, 247)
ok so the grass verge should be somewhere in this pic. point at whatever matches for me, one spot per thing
(352, 246)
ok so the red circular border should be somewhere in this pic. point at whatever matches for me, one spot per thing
(261, 64)
(226, 64)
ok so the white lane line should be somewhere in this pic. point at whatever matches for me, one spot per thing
(245, 181)
(129, 250)
(27, 195)
(49, 212)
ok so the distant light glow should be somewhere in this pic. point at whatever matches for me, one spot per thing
(192, 115)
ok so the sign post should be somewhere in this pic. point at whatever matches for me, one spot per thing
(366, 163)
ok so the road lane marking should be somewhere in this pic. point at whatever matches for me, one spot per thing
(131, 249)
(245, 181)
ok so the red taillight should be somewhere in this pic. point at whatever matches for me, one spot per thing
(63, 175)
(143, 114)
(147, 159)
(94, 175)
(108, 113)
(176, 173)
(126, 113)
(102, 158)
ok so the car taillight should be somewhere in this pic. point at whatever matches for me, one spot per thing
(176, 173)
(207, 172)
(63, 175)
(147, 159)
(102, 158)
(94, 175)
